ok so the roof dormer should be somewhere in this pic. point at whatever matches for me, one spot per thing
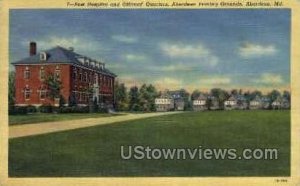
(43, 56)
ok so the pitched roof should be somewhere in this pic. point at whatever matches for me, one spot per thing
(59, 55)
(232, 98)
(201, 97)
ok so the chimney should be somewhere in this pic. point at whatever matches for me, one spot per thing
(32, 48)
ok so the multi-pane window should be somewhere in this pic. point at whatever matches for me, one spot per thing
(74, 74)
(42, 73)
(27, 73)
(57, 72)
(80, 75)
(27, 93)
(85, 78)
(43, 93)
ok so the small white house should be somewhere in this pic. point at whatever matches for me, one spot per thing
(280, 103)
(230, 103)
(256, 103)
(164, 103)
(200, 103)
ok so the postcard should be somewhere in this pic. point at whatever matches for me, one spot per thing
(150, 92)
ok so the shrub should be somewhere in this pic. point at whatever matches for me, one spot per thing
(31, 109)
(73, 109)
(45, 109)
(13, 110)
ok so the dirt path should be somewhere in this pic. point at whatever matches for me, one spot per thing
(48, 127)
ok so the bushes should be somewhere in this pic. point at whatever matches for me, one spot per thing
(74, 109)
(16, 110)
(31, 109)
(46, 109)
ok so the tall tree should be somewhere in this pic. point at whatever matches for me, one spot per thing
(254, 94)
(11, 88)
(273, 95)
(186, 98)
(287, 95)
(152, 93)
(121, 96)
(143, 98)
(134, 102)
(234, 92)
(54, 86)
(220, 94)
(195, 94)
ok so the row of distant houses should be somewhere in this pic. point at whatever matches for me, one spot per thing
(171, 101)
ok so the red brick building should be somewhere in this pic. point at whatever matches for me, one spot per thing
(83, 79)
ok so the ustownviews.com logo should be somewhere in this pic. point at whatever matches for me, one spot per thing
(146, 152)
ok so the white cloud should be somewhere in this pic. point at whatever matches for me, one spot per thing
(248, 50)
(173, 68)
(181, 50)
(196, 53)
(134, 57)
(78, 43)
(269, 78)
(217, 80)
(124, 38)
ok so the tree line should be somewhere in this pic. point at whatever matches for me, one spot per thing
(143, 98)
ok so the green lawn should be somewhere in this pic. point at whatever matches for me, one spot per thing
(95, 151)
(44, 117)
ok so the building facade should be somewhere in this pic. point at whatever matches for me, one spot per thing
(82, 79)
(200, 103)
(164, 103)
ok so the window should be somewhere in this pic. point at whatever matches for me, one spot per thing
(57, 72)
(43, 93)
(80, 96)
(96, 79)
(85, 78)
(74, 74)
(42, 73)
(27, 92)
(27, 73)
(90, 78)
(43, 56)
(80, 75)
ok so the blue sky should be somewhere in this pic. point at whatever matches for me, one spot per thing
(192, 49)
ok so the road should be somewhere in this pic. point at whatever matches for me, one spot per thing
(16, 131)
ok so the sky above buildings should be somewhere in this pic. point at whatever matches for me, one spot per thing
(191, 49)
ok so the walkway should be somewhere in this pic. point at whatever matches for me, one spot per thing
(48, 127)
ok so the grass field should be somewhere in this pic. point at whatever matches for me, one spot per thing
(44, 117)
(95, 151)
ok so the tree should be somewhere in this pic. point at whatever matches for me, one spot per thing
(134, 102)
(186, 98)
(54, 86)
(121, 96)
(234, 92)
(143, 98)
(274, 95)
(152, 95)
(195, 94)
(287, 95)
(254, 94)
(11, 88)
(220, 94)
(72, 100)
